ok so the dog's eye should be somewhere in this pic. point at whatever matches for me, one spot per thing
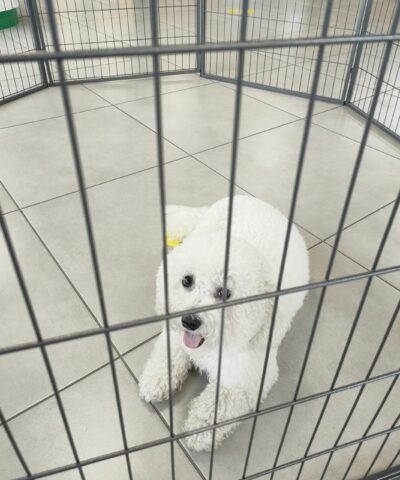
(219, 293)
(187, 281)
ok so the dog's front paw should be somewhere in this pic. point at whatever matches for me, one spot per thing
(198, 418)
(201, 414)
(232, 403)
(153, 387)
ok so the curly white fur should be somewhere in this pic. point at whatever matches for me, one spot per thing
(258, 233)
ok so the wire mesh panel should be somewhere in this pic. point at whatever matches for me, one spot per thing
(289, 69)
(116, 23)
(377, 21)
(23, 77)
(341, 371)
(347, 72)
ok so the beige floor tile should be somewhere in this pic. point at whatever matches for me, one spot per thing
(361, 242)
(267, 165)
(111, 145)
(46, 104)
(126, 90)
(350, 124)
(92, 414)
(202, 118)
(294, 105)
(59, 311)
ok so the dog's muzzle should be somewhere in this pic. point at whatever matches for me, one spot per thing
(190, 338)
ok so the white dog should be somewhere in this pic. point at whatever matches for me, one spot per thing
(195, 272)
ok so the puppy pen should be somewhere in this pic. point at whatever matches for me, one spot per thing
(344, 52)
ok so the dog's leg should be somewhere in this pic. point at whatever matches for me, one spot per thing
(234, 401)
(183, 220)
(153, 383)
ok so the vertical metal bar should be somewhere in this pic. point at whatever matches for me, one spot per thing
(342, 221)
(355, 322)
(37, 35)
(296, 188)
(352, 73)
(137, 36)
(69, 63)
(161, 177)
(313, 50)
(25, 64)
(14, 444)
(39, 337)
(88, 221)
(203, 13)
(200, 34)
(348, 57)
(232, 178)
(373, 55)
(80, 35)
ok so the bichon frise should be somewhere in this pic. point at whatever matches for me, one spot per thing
(195, 273)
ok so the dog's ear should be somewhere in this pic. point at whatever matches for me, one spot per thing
(181, 221)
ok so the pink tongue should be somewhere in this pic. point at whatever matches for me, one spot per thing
(192, 340)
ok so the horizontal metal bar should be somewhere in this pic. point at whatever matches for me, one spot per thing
(179, 436)
(229, 303)
(193, 48)
(24, 93)
(259, 86)
(124, 9)
(134, 39)
(124, 76)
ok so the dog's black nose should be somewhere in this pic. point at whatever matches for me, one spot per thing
(191, 322)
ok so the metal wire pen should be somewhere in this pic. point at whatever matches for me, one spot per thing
(346, 53)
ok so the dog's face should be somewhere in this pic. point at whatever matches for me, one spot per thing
(195, 274)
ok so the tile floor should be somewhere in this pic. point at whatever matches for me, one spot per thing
(115, 124)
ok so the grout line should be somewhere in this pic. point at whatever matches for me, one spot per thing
(245, 137)
(356, 141)
(332, 105)
(210, 82)
(99, 184)
(223, 84)
(77, 380)
(54, 117)
(52, 395)
(360, 219)
(362, 266)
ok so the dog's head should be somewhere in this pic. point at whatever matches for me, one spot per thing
(195, 276)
